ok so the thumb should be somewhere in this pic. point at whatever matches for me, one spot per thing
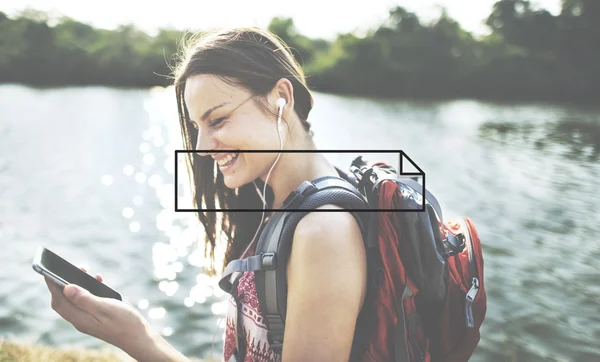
(79, 296)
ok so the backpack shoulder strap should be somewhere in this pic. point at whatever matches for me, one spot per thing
(271, 285)
(274, 246)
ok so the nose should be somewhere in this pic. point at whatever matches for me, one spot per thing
(206, 143)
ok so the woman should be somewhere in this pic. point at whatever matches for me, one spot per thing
(240, 89)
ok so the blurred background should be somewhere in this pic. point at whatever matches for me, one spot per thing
(494, 100)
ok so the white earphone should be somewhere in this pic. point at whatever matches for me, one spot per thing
(281, 102)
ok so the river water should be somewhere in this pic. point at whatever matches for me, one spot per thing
(88, 172)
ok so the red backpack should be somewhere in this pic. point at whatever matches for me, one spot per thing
(426, 297)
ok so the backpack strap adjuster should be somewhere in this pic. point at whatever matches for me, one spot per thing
(269, 261)
(297, 196)
(276, 331)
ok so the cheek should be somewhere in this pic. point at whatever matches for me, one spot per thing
(252, 160)
(238, 135)
(265, 137)
(259, 161)
(249, 134)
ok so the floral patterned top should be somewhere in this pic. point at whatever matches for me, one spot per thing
(257, 344)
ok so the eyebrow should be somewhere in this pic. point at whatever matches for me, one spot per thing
(207, 113)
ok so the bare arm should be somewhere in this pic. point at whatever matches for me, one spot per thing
(326, 287)
(154, 349)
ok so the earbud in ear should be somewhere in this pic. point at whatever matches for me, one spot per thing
(281, 102)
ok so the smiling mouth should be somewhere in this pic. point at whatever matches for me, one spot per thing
(228, 160)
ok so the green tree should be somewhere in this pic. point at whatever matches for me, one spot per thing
(301, 46)
(530, 53)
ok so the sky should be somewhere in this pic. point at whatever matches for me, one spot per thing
(313, 18)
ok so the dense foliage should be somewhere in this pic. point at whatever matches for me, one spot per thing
(529, 53)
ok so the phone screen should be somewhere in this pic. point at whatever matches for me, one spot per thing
(74, 275)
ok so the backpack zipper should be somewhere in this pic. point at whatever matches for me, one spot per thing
(414, 345)
(469, 302)
(472, 293)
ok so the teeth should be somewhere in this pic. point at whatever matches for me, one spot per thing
(225, 160)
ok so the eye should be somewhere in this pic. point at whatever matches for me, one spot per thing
(217, 121)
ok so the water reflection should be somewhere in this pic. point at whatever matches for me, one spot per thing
(143, 304)
(583, 135)
(138, 200)
(145, 147)
(107, 180)
(155, 181)
(169, 288)
(158, 141)
(157, 313)
(128, 170)
(174, 258)
(140, 177)
(134, 226)
(128, 212)
(148, 159)
(167, 331)
(578, 138)
(113, 203)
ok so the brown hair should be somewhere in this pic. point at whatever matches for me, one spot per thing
(254, 59)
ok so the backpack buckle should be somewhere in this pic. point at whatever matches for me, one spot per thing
(365, 178)
(460, 237)
(269, 261)
(453, 244)
(297, 196)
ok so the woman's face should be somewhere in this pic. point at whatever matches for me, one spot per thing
(227, 119)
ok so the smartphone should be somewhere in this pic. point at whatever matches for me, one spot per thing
(63, 273)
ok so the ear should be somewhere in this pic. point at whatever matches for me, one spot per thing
(282, 89)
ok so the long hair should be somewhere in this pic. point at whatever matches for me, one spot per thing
(254, 59)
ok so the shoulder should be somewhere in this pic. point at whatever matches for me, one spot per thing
(327, 243)
(328, 227)
(326, 276)
(327, 235)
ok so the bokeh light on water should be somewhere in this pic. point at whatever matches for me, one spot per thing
(182, 229)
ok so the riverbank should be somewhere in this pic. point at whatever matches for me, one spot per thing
(13, 352)
(529, 55)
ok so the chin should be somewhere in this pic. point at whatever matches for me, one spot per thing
(233, 182)
(236, 179)
(236, 175)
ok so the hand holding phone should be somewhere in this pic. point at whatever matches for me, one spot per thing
(93, 308)
(64, 273)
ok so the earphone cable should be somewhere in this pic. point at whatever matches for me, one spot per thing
(263, 194)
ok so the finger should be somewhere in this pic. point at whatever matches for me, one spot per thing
(82, 299)
(99, 278)
(66, 308)
(72, 312)
(58, 300)
(54, 288)
(84, 267)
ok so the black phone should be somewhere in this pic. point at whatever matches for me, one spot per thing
(63, 273)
